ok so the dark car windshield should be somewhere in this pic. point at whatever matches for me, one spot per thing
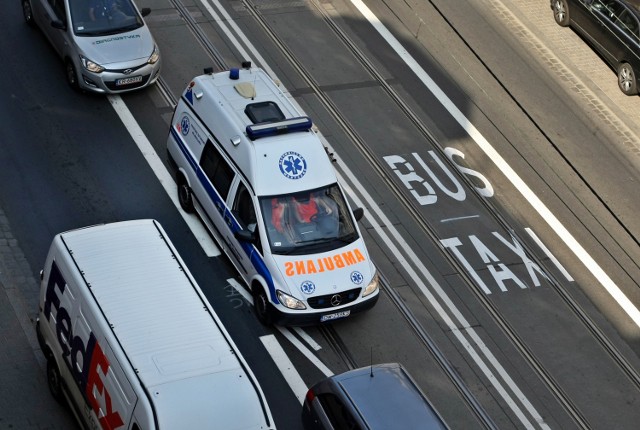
(311, 221)
(103, 17)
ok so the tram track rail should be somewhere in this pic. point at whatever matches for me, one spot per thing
(329, 333)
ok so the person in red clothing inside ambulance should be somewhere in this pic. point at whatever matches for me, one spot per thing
(297, 216)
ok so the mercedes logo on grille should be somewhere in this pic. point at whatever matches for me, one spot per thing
(336, 299)
(127, 71)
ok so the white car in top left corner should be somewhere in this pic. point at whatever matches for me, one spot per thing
(105, 44)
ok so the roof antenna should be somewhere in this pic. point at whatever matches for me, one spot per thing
(371, 363)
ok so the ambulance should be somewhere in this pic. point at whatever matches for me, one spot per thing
(132, 343)
(253, 167)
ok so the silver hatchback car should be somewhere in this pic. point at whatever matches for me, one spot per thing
(105, 44)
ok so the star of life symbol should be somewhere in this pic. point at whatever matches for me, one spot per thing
(356, 277)
(308, 287)
(185, 125)
(292, 165)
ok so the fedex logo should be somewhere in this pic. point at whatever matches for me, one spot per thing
(84, 358)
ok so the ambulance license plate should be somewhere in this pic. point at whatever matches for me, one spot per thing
(128, 81)
(335, 316)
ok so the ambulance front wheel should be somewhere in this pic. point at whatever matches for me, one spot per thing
(53, 379)
(184, 194)
(261, 305)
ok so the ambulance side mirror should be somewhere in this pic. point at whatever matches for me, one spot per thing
(245, 236)
(358, 213)
(145, 11)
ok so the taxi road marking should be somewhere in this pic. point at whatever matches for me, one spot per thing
(506, 169)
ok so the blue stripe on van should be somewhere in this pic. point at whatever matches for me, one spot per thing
(249, 248)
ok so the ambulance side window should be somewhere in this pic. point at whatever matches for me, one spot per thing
(217, 170)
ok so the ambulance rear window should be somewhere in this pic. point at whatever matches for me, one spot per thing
(262, 112)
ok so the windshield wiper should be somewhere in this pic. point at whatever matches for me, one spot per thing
(347, 238)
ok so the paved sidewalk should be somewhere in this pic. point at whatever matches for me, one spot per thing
(25, 402)
(587, 78)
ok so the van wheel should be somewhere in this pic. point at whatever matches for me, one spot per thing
(261, 306)
(627, 79)
(27, 12)
(53, 379)
(72, 76)
(184, 195)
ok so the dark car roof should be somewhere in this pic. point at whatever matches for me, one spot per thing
(386, 397)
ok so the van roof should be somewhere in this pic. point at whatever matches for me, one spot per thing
(289, 162)
(175, 344)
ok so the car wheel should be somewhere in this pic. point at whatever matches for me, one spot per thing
(184, 194)
(561, 12)
(72, 76)
(27, 12)
(627, 79)
(261, 306)
(53, 379)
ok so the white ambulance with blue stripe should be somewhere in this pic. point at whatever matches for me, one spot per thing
(254, 169)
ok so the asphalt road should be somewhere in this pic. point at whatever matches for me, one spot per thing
(515, 307)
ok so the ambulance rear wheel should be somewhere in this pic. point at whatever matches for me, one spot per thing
(184, 194)
(261, 306)
(53, 379)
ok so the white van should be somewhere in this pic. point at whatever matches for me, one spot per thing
(132, 343)
(256, 172)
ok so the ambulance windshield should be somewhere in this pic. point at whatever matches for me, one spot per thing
(317, 220)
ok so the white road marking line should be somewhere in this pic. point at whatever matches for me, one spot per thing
(308, 339)
(240, 289)
(305, 351)
(163, 175)
(459, 218)
(549, 254)
(287, 369)
(287, 333)
(513, 177)
(240, 36)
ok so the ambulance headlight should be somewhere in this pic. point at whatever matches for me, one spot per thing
(90, 65)
(289, 301)
(373, 285)
(155, 55)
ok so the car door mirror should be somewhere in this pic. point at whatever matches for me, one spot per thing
(245, 236)
(358, 213)
(145, 11)
(56, 23)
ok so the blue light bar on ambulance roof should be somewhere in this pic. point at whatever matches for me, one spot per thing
(256, 131)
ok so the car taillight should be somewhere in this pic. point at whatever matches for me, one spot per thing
(310, 396)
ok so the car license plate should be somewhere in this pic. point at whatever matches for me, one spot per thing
(127, 81)
(335, 316)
